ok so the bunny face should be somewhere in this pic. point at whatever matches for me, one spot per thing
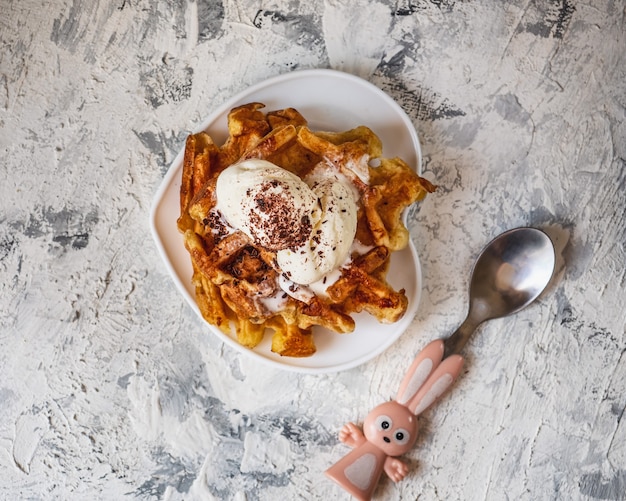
(391, 427)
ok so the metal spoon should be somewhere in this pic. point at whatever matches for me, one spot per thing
(509, 274)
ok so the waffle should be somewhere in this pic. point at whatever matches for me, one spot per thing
(238, 282)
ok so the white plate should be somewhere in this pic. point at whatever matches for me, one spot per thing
(329, 100)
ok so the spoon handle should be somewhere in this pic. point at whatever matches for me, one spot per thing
(458, 339)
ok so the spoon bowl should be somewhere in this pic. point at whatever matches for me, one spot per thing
(509, 274)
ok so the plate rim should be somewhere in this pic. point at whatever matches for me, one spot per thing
(175, 166)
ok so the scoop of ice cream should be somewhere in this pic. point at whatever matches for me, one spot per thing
(311, 228)
(274, 207)
(330, 239)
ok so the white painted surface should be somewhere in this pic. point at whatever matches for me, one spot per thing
(111, 388)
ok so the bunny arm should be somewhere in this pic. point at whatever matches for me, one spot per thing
(351, 435)
(395, 469)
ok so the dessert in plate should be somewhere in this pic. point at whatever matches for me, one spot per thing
(288, 228)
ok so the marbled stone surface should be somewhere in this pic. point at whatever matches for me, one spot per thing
(112, 388)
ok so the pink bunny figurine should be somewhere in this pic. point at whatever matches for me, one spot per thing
(391, 428)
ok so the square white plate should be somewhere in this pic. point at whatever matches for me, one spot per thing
(332, 101)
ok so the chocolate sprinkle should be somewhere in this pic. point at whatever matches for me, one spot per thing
(273, 218)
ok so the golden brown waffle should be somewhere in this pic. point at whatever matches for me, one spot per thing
(236, 281)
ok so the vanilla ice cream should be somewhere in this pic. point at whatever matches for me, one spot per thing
(310, 226)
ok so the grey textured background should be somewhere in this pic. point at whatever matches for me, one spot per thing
(111, 387)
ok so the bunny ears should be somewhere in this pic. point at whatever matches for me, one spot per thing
(428, 377)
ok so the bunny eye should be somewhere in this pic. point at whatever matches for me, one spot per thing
(383, 422)
(401, 436)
